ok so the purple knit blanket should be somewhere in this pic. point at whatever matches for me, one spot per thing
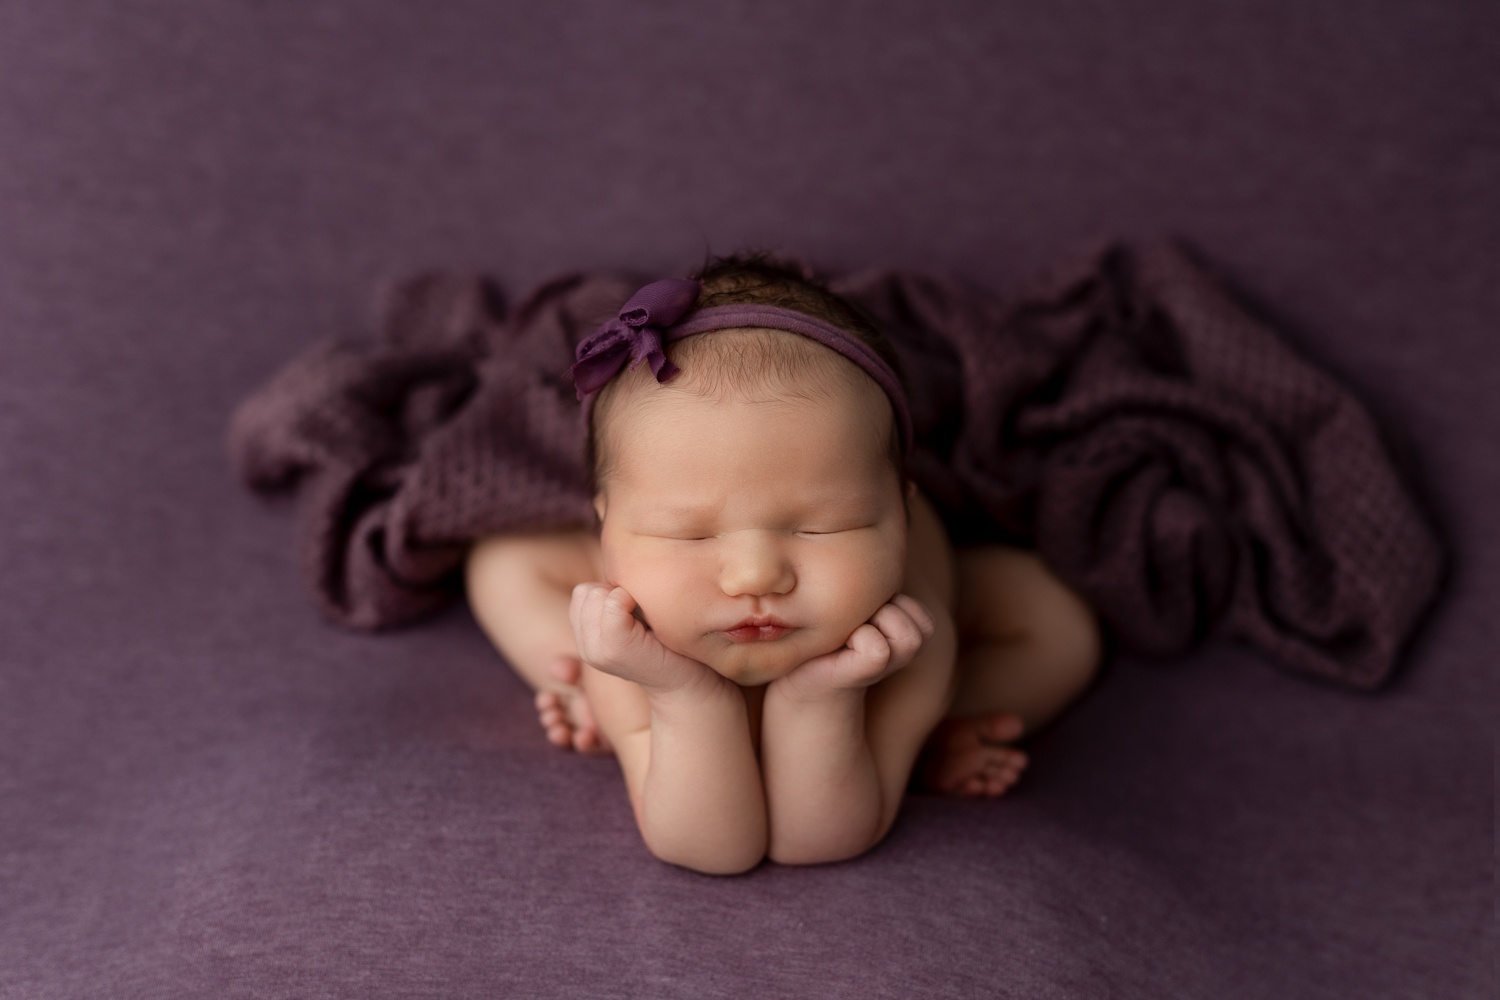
(1166, 453)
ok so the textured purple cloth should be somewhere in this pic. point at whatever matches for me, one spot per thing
(1166, 453)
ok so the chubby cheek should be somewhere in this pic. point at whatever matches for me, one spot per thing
(852, 588)
(662, 586)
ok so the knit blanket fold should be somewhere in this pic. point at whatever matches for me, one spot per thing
(1166, 454)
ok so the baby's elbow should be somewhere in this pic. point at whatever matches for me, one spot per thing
(709, 859)
(816, 855)
(832, 846)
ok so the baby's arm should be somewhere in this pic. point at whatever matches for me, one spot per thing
(686, 754)
(839, 734)
(822, 816)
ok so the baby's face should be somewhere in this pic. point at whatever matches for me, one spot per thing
(754, 535)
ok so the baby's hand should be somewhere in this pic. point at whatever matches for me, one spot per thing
(887, 642)
(613, 640)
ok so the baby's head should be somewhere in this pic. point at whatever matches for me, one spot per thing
(753, 504)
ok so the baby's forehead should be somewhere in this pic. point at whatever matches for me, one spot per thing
(758, 371)
(801, 446)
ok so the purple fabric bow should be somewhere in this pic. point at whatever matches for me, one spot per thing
(634, 334)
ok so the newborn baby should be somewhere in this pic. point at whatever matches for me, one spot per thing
(769, 624)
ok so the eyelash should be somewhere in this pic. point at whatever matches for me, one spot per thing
(800, 534)
(706, 538)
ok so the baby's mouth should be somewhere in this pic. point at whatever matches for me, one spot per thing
(760, 629)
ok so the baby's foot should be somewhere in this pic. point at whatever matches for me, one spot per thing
(565, 713)
(969, 756)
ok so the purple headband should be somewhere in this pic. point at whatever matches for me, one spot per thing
(663, 312)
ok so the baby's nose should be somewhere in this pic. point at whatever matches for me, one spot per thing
(755, 564)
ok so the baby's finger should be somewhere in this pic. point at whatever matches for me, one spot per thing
(868, 643)
(585, 614)
(581, 594)
(918, 612)
(901, 632)
(618, 605)
(605, 629)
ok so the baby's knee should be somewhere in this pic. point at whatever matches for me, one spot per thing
(1065, 626)
(567, 556)
(1078, 647)
(508, 552)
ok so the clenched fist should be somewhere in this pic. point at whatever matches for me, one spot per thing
(887, 642)
(613, 640)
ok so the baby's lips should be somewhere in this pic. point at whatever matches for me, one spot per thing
(757, 628)
(757, 633)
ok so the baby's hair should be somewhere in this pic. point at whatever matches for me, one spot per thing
(757, 278)
(769, 362)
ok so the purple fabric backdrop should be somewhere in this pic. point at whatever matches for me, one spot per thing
(205, 790)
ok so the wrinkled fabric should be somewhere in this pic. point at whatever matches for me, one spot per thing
(1164, 452)
(634, 335)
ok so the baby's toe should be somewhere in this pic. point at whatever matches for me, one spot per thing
(960, 774)
(1000, 768)
(1009, 773)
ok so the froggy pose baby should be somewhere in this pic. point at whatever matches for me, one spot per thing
(769, 623)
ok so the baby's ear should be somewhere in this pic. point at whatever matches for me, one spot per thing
(600, 506)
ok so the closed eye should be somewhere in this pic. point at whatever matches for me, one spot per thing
(814, 533)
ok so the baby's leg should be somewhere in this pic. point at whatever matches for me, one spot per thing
(1028, 644)
(1028, 647)
(519, 587)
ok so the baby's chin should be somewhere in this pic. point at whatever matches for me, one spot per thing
(753, 674)
(751, 664)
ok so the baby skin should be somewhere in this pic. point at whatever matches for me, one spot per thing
(769, 628)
